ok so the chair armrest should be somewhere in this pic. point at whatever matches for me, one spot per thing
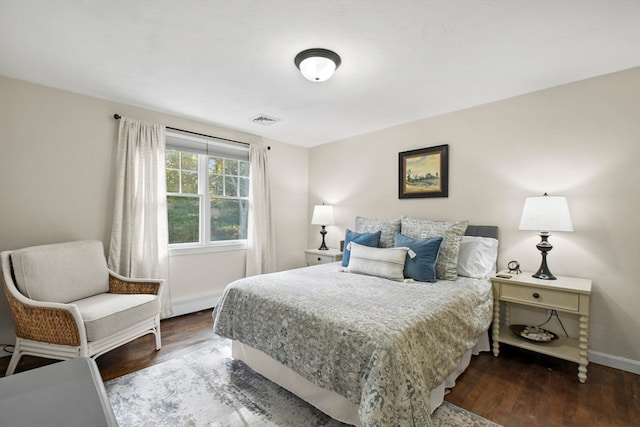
(63, 322)
(123, 285)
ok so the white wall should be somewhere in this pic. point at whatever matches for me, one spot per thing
(580, 140)
(57, 161)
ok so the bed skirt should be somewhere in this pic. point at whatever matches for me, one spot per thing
(330, 402)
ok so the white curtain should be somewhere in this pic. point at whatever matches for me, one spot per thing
(261, 245)
(139, 238)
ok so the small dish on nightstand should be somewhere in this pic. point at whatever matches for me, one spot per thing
(533, 333)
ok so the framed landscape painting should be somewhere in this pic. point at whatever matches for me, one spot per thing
(424, 173)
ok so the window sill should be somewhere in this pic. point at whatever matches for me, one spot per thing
(193, 250)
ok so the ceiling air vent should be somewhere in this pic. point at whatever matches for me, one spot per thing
(265, 120)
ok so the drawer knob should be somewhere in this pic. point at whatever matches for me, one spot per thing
(319, 258)
(536, 295)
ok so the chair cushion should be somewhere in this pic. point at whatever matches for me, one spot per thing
(61, 272)
(107, 314)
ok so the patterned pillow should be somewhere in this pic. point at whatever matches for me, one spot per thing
(388, 227)
(387, 263)
(451, 233)
(421, 267)
(366, 239)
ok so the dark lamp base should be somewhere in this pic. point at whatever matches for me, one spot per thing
(323, 247)
(544, 246)
(544, 276)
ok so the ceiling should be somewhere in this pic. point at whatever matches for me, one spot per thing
(225, 62)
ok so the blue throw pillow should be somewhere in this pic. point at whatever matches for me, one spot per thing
(365, 239)
(422, 267)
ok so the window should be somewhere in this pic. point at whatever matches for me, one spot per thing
(207, 192)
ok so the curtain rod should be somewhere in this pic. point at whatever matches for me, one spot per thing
(118, 117)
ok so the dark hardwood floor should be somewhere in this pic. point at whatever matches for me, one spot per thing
(519, 388)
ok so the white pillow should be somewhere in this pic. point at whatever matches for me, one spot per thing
(477, 257)
(387, 263)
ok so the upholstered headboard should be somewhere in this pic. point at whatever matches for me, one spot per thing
(482, 231)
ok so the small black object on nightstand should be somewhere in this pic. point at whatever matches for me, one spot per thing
(514, 267)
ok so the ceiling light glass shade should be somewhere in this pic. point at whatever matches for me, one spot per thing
(317, 65)
(546, 213)
(322, 215)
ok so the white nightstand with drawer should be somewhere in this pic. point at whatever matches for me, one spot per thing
(565, 294)
(317, 256)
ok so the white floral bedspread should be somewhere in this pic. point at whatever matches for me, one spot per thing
(381, 344)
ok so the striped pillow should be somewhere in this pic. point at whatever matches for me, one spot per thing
(387, 263)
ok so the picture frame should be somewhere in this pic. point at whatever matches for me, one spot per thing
(424, 173)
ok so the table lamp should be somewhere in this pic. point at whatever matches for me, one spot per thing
(323, 216)
(544, 214)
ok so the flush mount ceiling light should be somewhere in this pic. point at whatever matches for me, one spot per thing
(317, 65)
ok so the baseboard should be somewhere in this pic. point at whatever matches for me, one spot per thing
(616, 362)
(191, 305)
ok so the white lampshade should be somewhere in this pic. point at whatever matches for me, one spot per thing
(322, 215)
(546, 213)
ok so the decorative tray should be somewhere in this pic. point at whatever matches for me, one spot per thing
(533, 333)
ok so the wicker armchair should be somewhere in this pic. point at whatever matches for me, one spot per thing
(66, 303)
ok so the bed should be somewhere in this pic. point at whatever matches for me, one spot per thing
(366, 350)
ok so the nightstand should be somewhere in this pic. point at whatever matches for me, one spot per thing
(316, 256)
(566, 294)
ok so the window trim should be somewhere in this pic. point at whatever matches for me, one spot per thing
(178, 249)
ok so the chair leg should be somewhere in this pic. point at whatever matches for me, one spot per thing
(158, 336)
(13, 363)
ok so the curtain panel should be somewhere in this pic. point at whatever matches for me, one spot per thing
(261, 244)
(139, 237)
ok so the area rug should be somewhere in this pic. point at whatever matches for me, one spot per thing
(208, 388)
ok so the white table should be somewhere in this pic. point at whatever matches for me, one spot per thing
(565, 294)
(317, 256)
